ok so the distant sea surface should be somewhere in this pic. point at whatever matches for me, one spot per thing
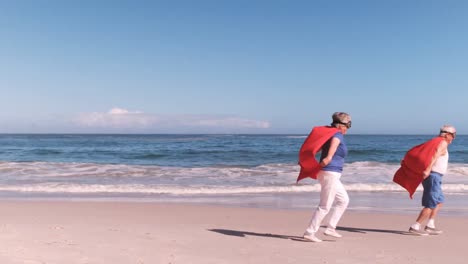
(245, 170)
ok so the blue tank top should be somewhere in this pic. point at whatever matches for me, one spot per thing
(337, 162)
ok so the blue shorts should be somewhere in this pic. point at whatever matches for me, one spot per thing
(432, 195)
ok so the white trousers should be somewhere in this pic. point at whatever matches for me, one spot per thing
(332, 192)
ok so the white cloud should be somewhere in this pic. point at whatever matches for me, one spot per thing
(119, 118)
(121, 111)
(232, 122)
(115, 118)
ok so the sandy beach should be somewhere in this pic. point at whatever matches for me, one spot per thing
(130, 232)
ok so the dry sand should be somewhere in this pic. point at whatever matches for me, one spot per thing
(126, 232)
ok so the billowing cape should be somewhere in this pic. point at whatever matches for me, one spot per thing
(416, 160)
(312, 145)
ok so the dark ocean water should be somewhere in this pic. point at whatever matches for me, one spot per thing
(202, 150)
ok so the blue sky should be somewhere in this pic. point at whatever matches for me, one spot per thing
(232, 66)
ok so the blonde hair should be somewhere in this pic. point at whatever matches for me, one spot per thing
(340, 118)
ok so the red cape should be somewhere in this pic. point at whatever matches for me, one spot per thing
(312, 145)
(416, 160)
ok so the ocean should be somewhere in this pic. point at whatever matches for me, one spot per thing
(233, 170)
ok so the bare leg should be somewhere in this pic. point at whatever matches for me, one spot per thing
(424, 215)
(434, 212)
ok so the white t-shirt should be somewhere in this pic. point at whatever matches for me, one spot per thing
(440, 165)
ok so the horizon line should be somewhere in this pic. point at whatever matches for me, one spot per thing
(279, 134)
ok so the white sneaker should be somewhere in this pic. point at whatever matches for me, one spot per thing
(311, 237)
(417, 232)
(332, 232)
(432, 230)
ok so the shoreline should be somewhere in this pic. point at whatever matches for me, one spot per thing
(381, 202)
(135, 232)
